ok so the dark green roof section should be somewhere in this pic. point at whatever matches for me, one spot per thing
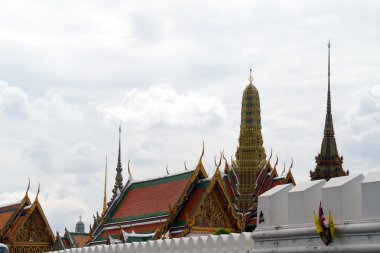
(144, 216)
(162, 180)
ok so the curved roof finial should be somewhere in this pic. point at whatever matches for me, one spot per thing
(283, 171)
(270, 157)
(38, 191)
(220, 159)
(167, 171)
(27, 189)
(291, 165)
(129, 168)
(203, 152)
(215, 161)
(250, 77)
(275, 165)
(185, 166)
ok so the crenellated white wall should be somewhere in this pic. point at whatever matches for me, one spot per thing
(232, 243)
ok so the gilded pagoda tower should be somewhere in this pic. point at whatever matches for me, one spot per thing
(250, 152)
(329, 163)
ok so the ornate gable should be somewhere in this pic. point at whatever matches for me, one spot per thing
(33, 229)
(211, 213)
(31, 232)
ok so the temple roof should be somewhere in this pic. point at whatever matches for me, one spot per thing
(6, 212)
(13, 216)
(143, 199)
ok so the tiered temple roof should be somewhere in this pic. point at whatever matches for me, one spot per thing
(170, 206)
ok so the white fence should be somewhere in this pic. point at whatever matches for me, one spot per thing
(232, 243)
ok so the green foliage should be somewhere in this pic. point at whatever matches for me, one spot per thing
(221, 231)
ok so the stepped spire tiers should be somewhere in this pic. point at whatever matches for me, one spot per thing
(119, 177)
(250, 152)
(329, 163)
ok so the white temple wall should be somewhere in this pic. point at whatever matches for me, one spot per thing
(274, 206)
(303, 200)
(371, 196)
(342, 195)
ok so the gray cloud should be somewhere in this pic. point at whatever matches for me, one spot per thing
(76, 69)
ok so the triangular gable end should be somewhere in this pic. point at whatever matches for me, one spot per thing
(214, 210)
(34, 228)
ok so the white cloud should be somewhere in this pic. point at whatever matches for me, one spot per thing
(163, 106)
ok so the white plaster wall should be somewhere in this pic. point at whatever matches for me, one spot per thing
(274, 205)
(303, 200)
(342, 195)
(371, 195)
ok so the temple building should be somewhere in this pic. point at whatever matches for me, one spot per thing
(172, 206)
(329, 163)
(69, 240)
(24, 228)
(250, 154)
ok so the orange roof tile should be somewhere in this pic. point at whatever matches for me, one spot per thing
(6, 212)
(149, 198)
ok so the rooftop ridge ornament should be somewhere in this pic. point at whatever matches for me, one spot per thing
(202, 154)
(167, 171)
(38, 191)
(250, 77)
(27, 189)
(129, 168)
(185, 166)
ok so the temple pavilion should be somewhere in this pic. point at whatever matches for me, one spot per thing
(174, 205)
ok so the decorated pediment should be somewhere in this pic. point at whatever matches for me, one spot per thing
(210, 213)
(33, 229)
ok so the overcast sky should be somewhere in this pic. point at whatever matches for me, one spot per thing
(173, 73)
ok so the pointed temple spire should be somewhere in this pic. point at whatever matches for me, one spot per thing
(329, 164)
(105, 190)
(250, 151)
(119, 177)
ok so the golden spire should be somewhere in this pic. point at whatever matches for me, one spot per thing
(105, 191)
